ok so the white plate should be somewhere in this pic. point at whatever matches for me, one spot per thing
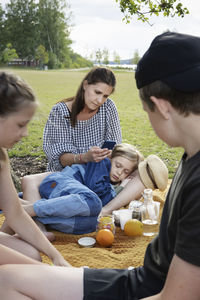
(86, 242)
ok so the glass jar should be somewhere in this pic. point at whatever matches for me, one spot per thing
(135, 206)
(106, 222)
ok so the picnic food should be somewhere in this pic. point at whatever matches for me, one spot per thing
(133, 227)
(105, 237)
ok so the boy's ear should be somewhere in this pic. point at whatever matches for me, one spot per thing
(162, 105)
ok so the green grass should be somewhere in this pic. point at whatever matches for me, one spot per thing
(51, 86)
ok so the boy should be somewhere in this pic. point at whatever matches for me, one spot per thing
(168, 80)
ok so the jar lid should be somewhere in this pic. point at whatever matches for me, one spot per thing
(135, 204)
(86, 242)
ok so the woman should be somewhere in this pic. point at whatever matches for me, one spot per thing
(17, 107)
(78, 126)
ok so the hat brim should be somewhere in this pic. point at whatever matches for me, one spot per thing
(153, 167)
(144, 176)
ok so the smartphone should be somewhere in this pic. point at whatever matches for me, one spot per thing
(108, 144)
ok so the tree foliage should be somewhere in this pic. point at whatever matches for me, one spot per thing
(54, 27)
(9, 53)
(2, 29)
(116, 57)
(30, 25)
(135, 58)
(41, 55)
(98, 55)
(144, 9)
(22, 27)
(105, 56)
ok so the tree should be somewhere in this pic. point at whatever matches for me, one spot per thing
(54, 29)
(135, 58)
(8, 54)
(105, 56)
(145, 8)
(77, 61)
(116, 58)
(2, 29)
(41, 55)
(98, 55)
(30, 25)
(22, 27)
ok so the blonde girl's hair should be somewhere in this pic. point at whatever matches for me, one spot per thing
(128, 151)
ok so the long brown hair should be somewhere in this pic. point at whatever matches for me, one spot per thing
(96, 74)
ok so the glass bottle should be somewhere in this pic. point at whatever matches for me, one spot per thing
(150, 214)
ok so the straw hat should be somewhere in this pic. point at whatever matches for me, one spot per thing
(153, 173)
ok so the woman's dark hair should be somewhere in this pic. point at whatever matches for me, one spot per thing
(96, 74)
(185, 103)
(14, 93)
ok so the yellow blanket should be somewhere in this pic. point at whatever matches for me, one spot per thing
(124, 252)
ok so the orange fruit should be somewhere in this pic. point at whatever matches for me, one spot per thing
(133, 227)
(105, 237)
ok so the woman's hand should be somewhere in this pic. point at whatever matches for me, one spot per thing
(96, 154)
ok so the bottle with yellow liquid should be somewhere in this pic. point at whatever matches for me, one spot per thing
(150, 214)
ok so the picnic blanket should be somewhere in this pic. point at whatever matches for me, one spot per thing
(124, 252)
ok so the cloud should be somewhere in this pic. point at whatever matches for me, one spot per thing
(98, 24)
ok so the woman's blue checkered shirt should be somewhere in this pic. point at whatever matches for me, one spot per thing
(60, 137)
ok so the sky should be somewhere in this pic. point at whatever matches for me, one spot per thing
(97, 24)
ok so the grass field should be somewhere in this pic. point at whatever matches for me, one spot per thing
(51, 86)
